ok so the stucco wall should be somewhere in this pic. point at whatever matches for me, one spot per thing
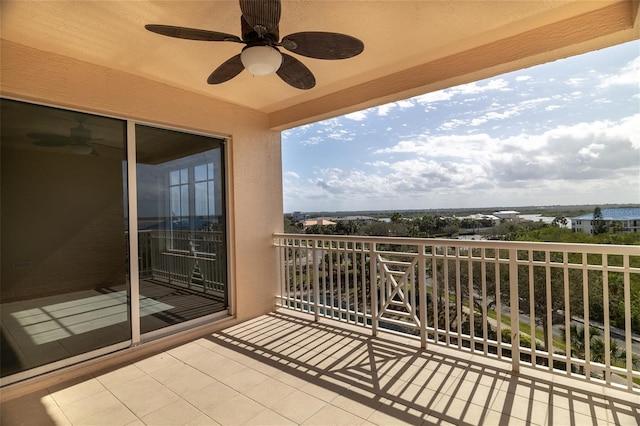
(254, 152)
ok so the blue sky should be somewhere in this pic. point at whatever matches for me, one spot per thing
(566, 132)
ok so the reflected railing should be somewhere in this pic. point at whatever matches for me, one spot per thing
(194, 259)
(572, 309)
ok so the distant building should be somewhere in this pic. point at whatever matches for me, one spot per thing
(319, 222)
(479, 216)
(363, 219)
(628, 220)
(298, 216)
(507, 214)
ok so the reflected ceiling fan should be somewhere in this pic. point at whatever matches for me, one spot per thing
(260, 33)
(79, 139)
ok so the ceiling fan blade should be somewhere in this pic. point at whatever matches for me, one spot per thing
(295, 73)
(191, 33)
(49, 140)
(323, 45)
(225, 72)
(261, 13)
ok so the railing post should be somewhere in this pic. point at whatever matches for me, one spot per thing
(422, 281)
(373, 277)
(316, 280)
(514, 309)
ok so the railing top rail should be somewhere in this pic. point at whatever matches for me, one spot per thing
(491, 244)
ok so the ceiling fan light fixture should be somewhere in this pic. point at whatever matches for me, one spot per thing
(261, 60)
(81, 149)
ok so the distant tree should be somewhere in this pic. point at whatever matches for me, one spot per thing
(559, 221)
(396, 217)
(598, 224)
(616, 227)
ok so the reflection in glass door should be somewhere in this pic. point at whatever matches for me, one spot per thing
(64, 269)
(181, 227)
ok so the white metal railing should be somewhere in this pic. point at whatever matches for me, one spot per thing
(470, 294)
(190, 258)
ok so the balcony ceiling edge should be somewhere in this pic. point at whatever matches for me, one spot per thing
(614, 24)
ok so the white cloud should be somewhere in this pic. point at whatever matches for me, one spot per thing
(629, 76)
(523, 78)
(357, 116)
(313, 140)
(384, 109)
(292, 175)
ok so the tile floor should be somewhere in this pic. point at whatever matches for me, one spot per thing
(283, 369)
(47, 329)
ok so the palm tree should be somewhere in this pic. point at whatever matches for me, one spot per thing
(618, 356)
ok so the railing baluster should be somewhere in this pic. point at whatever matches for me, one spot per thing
(532, 309)
(472, 306)
(458, 297)
(445, 283)
(587, 320)
(483, 280)
(316, 281)
(496, 272)
(567, 312)
(549, 312)
(422, 292)
(434, 294)
(514, 309)
(607, 325)
(373, 268)
(627, 322)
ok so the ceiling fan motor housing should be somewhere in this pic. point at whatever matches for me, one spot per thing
(80, 134)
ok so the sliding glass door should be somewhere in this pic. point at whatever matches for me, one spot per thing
(66, 290)
(64, 264)
(181, 227)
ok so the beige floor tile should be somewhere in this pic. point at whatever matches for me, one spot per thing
(268, 417)
(244, 379)
(264, 366)
(521, 407)
(560, 416)
(210, 397)
(145, 401)
(360, 406)
(136, 422)
(332, 415)
(157, 362)
(187, 351)
(183, 379)
(294, 380)
(420, 397)
(202, 420)
(178, 412)
(235, 411)
(82, 388)
(321, 390)
(120, 376)
(114, 416)
(269, 392)
(36, 409)
(90, 406)
(391, 416)
(134, 388)
(298, 406)
(216, 366)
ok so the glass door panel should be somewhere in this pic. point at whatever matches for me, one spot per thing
(181, 227)
(63, 239)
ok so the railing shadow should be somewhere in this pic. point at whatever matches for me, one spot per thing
(395, 377)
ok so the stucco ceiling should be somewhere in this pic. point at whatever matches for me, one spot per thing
(411, 47)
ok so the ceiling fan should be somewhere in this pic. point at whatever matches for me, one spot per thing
(260, 33)
(79, 139)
